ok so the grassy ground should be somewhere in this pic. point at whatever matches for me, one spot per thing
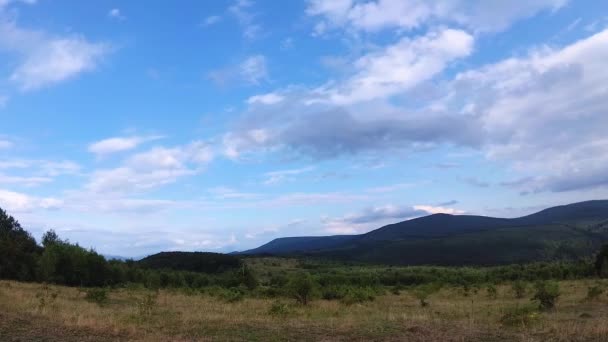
(53, 313)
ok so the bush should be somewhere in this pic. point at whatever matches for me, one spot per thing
(519, 288)
(593, 292)
(358, 295)
(547, 293)
(423, 292)
(301, 288)
(520, 316)
(99, 296)
(233, 295)
(279, 309)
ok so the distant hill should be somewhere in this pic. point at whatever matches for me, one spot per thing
(191, 261)
(564, 232)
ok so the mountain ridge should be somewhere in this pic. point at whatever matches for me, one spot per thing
(562, 231)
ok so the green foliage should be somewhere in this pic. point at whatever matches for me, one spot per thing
(601, 262)
(279, 309)
(18, 250)
(203, 262)
(593, 292)
(423, 292)
(520, 316)
(72, 265)
(233, 295)
(97, 295)
(301, 287)
(358, 295)
(547, 293)
(519, 289)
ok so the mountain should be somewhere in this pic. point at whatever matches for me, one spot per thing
(191, 261)
(563, 232)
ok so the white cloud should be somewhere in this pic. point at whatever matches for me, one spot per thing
(376, 15)
(29, 181)
(265, 99)
(19, 202)
(118, 144)
(151, 169)
(281, 176)
(250, 71)
(47, 59)
(253, 69)
(115, 13)
(5, 144)
(212, 20)
(438, 210)
(399, 67)
(242, 10)
(544, 113)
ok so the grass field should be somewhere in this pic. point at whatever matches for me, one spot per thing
(38, 312)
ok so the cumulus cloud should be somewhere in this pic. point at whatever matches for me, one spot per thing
(47, 59)
(153, 168)
(398, 67)
(376, 15)
(542, 113)
(19, 202)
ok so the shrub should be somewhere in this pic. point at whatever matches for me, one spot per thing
(423, 292)
(233, 295)
(98, 296)
(593, 292)
(520, 316)
(46, 298)
(301, 288)
(519, 288)
(279, 309)
(547, 293)
(358, 295)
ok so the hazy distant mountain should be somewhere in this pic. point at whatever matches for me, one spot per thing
(564, 232)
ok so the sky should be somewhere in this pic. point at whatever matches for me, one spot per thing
(134, 127)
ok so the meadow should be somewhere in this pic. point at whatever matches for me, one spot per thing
(502, 311)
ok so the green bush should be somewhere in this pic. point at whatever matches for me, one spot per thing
(593, 292)
(423, 292)
(301, 287)
(98, 296)
(547, 293)
(233, 295)
(357, 295)
(279, 309)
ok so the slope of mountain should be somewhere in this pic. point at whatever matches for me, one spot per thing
(300, 244)
(564, 232)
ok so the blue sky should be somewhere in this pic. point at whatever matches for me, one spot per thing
(220, 125)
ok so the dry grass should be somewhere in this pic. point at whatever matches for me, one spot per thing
(179, 317)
